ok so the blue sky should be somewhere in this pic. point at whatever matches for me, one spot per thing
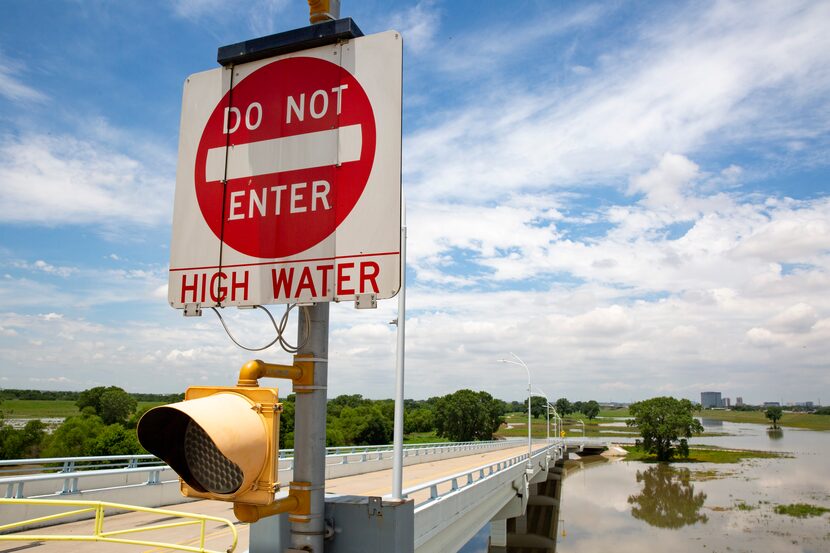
(631, 196)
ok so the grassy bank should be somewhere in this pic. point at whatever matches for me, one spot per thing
(516, 426)
(45, 409)
(792, 420)
(704, 455)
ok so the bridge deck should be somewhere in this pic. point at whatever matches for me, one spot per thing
(374, 483)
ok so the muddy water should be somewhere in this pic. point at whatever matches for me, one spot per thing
(630, 506)
(620, 506)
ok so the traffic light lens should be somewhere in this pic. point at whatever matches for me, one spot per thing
(215, 472)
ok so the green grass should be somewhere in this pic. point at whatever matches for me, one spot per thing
(539, 430)
(609, 413)
(801, 510)
(793, 420)
(741, 506)
(42, 409)
(35, 408)
(704, 455)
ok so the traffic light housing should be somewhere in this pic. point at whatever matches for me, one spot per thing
(221, 441)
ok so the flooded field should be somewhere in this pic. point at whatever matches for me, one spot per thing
(632, 506)
(620, 506)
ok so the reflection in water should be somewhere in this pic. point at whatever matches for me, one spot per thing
(775, 433)
(711, 423)
(668, 498)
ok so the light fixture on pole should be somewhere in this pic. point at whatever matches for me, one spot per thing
(522, 364)
(541, 393)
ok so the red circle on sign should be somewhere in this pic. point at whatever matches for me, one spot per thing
(285, 190)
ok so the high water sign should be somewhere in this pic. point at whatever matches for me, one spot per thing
(288, 186)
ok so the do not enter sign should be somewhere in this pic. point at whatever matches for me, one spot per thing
(312, 136)
(288, 183)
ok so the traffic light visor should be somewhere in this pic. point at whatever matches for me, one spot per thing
(216, 444)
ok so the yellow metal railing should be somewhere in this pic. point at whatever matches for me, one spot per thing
(99, 535)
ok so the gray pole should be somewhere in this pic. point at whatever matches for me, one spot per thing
(307, 532)
(397, 463)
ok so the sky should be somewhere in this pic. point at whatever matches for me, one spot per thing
(633, 197)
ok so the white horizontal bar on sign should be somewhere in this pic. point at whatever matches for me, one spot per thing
(289, 153)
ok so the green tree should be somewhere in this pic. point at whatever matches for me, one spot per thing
(467, 415)
(774, 413)
(19, 444)
(76, 437)
(419, 420)
(364, 425)
(563, 407)
(115, 440)
(590, 409)
(287, 423)
(538, 406)
(111, 403)
(92, 398)
(340, 402)
(666, 424)
(116, 406)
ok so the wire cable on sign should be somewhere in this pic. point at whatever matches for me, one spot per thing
(280, 328)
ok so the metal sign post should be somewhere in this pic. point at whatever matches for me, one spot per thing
(288, 190)
(308, 531)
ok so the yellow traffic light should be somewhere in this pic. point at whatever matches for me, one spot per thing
(221, 441)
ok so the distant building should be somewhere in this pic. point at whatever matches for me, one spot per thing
(727, 403)
(739, 401)
(807, 404)
(771, 404)
(708, 400)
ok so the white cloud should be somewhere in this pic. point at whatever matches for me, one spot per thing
(54, 180)
(45, 267)
(417, 25)
(664, 186)
(262, 16)
(11, 85)
(679, 89)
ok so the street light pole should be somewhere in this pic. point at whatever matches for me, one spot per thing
(541, 392)
(522, 364)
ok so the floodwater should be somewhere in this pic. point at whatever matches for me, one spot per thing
(620, 506)
(633, 506)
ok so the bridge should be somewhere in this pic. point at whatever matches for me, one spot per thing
(452, 490)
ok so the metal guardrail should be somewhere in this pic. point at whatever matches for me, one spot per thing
(70, 480)
(83, 468)
(72, 464)
(115, 536)
(457, 506)
(345, 456)
(460, 480)
(349, 449)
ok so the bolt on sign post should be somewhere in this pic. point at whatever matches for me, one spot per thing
(288, 186)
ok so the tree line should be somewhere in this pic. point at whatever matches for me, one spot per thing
(538, 406)
(47, 395)
(105, 424)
